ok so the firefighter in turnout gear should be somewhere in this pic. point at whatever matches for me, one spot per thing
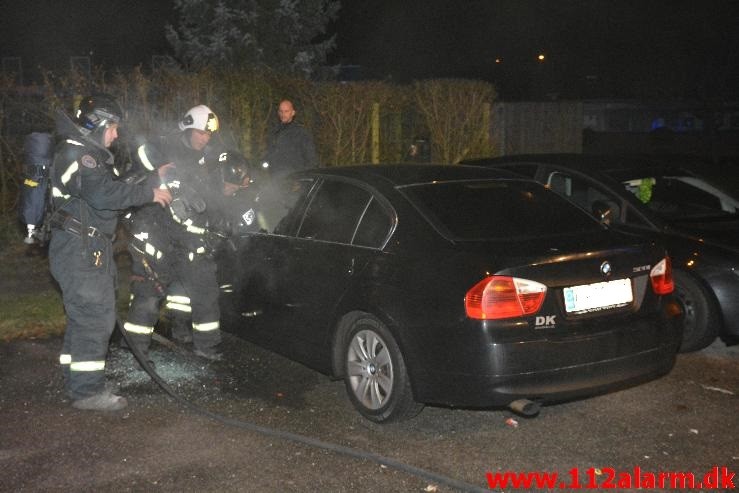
(223, 217)
(226, 214)
(188, 149)
(87, 201)
(172, 250)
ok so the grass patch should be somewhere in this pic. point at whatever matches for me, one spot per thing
(33, 315)
(30, 304)
(11, 231)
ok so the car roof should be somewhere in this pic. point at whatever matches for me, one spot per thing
(408, 174)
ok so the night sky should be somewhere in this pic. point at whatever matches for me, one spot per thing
(593, 48)
(114, 33)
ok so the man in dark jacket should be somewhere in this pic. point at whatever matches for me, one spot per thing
(290, 146)
(87, 201)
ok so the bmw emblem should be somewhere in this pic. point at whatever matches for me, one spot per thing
(605, 268)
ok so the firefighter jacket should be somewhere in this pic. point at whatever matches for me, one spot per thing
(183, 227)
(83, 184)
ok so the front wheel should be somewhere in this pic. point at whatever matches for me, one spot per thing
(375, 375)
(700, 321)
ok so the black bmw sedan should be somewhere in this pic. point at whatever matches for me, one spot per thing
(450, 285)
(696, 219)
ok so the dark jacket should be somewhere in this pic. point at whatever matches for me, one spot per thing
(198, 207)
(290, 148)
(165, 225)
(83, 181)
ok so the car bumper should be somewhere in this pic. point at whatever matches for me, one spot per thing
(548, 369)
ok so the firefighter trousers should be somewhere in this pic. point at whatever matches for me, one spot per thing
(86, 273)
(190, 286)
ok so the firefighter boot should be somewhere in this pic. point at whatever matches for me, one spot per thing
(212, 353)
(181, 329)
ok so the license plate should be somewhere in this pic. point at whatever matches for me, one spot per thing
(598, 296)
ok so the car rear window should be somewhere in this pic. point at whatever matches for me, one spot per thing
(497, 209)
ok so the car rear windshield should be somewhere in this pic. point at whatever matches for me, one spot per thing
(497, 209)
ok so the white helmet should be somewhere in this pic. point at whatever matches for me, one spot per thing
(200, 117)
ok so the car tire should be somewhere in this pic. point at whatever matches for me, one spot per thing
(700, 320)
(375, 374)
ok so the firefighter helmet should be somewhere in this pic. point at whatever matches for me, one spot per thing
(232, 167)
(97, 112)
(201, 118)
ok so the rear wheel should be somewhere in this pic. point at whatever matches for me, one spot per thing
(700, 320)
(375, 375)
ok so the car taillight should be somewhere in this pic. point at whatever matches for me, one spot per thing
(504, 297)
(661, 277)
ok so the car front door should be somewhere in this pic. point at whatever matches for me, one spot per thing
(300, 272)
(343, 226)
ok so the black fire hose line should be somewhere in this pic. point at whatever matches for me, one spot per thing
(294, 437)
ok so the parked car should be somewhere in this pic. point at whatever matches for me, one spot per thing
(697, 220)
(451, 285)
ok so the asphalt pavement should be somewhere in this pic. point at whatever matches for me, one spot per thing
(684, 422)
